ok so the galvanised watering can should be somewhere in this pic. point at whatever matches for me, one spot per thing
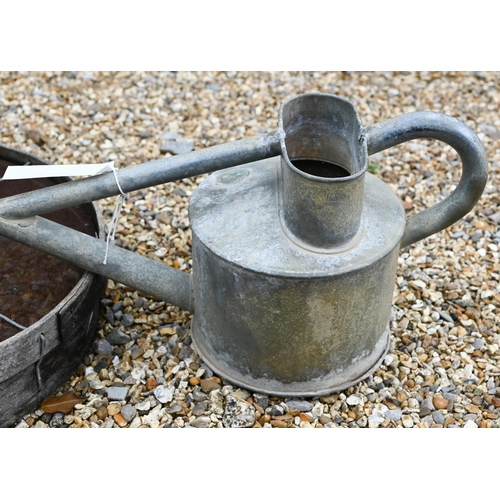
(295, 244)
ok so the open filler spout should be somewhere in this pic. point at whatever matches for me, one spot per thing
(295, 244)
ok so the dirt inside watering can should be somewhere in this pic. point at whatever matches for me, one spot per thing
(32, 282)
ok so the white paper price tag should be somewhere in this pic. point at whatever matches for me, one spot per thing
(38, 171)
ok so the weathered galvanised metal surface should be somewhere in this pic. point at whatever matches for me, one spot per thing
(274, 316)
(294, 249)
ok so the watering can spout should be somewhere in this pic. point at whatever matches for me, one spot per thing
(160, 281)
(19, 218)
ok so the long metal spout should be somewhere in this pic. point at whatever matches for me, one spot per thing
(18, 221)
(141, 176)
(122, 265)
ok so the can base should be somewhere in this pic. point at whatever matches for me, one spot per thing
(328, 384)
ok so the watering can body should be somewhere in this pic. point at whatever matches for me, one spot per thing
(273, 316)
(295, 244)
(295, 257)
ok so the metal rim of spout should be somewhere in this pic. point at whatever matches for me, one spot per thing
(289, 124)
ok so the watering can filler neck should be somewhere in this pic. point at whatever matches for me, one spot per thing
(295, 244)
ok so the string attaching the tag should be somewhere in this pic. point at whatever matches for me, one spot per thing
(116, 214)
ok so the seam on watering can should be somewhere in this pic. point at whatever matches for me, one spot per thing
(233, 265)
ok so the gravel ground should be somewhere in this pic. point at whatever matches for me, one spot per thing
(443, 366)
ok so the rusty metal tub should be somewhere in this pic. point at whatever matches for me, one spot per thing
(55, 301)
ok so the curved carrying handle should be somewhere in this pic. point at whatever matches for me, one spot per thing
(429, 125)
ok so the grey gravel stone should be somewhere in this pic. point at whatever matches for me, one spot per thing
(450, 396)
(448, 389)
(57, 420)
(490, 130)
(438, 417)
(238, 413)
(261, 400)
(117, 393)
(394, 415)
(127, 320)
(208, 372)
(202, 421)
(110, 317)
(177, 147)
(117, 306)
(199, 395)
(128, 412)
(275, 411)
(299, 405)
(117, 337)
(102, 346)
(140, 302)
(164, 394)
(214, 86)
(186, 352)
(495, 217)
(167, 136)
(470, 416)
(428, 419)
(446, 317)
(136, 352)
(174, 408)
(425, 408)
(200, 408)
(478, 344)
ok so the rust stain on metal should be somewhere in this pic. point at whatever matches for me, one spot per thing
(33, 282)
